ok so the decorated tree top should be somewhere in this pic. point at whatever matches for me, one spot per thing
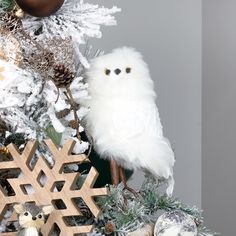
(42, 65)
(43, 84)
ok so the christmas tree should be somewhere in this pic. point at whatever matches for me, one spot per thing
(44, 55)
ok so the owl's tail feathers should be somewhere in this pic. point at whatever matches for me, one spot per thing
(170, 188)
(159, 160)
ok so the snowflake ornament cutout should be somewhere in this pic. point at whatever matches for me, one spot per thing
(44, 180)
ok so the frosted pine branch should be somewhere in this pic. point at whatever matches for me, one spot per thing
(75, 19)
(29, 110)
(144, 209)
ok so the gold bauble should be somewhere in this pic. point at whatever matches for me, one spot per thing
(4, 150)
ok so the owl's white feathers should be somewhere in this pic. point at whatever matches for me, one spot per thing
(123, 119)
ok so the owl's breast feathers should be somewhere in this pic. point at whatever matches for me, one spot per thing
(123, 120)
(131, 133)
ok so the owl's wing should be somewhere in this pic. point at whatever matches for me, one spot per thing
(137, 119)
(141, 138)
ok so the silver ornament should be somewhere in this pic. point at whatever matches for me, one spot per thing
(175, 223)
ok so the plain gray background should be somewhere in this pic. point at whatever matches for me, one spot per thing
(168, 33)
(219, 114)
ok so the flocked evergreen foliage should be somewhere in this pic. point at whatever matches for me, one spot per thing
(7, 5)
(30, 102)
(130, 213)
(76, 18)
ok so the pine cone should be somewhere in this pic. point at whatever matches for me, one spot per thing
(11, 21)
(109, 228)
(63, 77)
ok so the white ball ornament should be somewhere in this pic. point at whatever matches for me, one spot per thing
(175, 223)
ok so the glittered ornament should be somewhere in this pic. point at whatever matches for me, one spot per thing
(175, 223)
(40, 8)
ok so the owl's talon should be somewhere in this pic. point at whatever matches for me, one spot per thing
(114, 169)
(125, 201)
(124, 180)
(135, 193)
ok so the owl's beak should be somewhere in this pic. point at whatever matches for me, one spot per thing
(117, 71)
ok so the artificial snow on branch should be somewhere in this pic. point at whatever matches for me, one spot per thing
(129, 213)
(75, 19)
(20, 102)
(28, 109)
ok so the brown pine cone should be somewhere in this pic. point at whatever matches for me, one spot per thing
(63, 77)
(109, 228)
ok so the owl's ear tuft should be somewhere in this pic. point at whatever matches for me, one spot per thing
(47, 209)
(18, 208)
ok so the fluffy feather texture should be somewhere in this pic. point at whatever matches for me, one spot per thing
(124, 119)
(29, 232)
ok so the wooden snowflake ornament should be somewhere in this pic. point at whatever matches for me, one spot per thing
(45, 193)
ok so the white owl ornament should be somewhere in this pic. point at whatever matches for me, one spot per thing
(124, 120)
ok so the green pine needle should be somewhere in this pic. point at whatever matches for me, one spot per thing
(53, 135)
(7, 5)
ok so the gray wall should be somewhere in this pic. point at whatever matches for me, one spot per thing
(168, 33)
(219, 114)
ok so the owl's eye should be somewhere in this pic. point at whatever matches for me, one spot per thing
(26, 213)
(128, 70)
(40, 216)
(107, 71)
